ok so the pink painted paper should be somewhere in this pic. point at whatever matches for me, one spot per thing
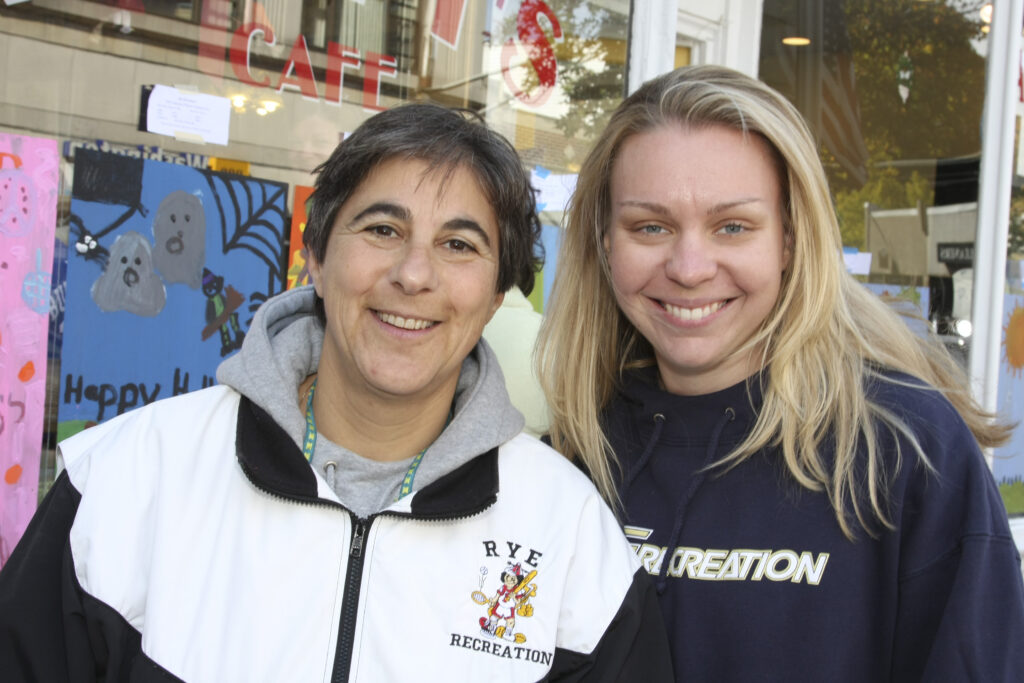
(28, 216)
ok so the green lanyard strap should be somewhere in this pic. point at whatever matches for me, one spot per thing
(309, 444)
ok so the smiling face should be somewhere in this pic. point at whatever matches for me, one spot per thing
(408, 281)
(697, 249)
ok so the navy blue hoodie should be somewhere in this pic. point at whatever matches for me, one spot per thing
(761, 584)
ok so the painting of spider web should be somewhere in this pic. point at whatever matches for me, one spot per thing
(253, 217)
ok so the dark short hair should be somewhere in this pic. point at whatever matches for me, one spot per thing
(446, 139)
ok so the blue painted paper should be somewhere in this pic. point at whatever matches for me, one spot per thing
(166, 266)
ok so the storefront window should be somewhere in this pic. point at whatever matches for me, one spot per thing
(894, 92)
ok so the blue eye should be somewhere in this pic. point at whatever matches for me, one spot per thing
(652, 229)
(732, 229)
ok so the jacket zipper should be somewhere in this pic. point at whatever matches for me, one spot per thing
(354, 574)
(350, 601)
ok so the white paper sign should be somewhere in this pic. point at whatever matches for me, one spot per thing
(857, 262)
(188, 116)
(554, 189)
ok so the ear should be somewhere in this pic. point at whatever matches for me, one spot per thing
(314, 272)
(495, 305)
(787, 249)
(607, 242)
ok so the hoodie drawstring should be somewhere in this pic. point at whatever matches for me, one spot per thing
(727, 416)
(659, 421)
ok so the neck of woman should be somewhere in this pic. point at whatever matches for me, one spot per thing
(377, 426)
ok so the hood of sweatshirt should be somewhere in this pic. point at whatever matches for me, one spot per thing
(282, 347)
(687, 420)
(683, 434)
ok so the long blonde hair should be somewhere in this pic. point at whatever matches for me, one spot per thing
(825, 339)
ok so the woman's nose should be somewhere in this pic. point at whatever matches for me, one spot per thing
(693, 260)
(415, 270)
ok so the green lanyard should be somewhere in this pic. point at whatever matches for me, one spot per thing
(309, 444)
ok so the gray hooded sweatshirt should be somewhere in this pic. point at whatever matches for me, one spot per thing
(282, 348)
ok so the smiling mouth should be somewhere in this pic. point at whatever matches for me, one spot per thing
(693, 314)
(405, 323)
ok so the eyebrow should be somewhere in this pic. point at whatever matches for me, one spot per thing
(650, 206)
(725, 206)
(712, 210)
(401, 213)
(383, 208)
(471, 225)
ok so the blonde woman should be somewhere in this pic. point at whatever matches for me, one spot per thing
(800, 472)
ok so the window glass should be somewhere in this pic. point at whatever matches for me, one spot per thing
(894, 92)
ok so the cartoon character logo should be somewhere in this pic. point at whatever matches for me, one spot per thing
(511, 599)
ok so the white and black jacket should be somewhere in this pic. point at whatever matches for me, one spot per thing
(167, 560)
(190, 540)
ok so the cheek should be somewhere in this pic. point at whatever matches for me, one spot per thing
(474, 293)
(630, 269)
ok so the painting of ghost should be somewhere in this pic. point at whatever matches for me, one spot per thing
(179, 234)
(129, 282)
(166, 267)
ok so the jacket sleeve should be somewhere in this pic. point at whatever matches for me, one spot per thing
(963, 618)
(633, 648)
(960, 615)
(49, 629)
(608, 593)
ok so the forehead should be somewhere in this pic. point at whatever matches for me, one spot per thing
(713, 153)
(445, 190)
(439, 177)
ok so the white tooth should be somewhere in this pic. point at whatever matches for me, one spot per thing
(694, 314)
(404, 323)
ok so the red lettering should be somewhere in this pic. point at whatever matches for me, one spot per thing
(298, 61)
(339, 58)
(376, 66)
(213, 37)
(297, 73)
(448, 21)
(539, 51)
(241, 49)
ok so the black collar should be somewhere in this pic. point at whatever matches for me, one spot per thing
(274, 463)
